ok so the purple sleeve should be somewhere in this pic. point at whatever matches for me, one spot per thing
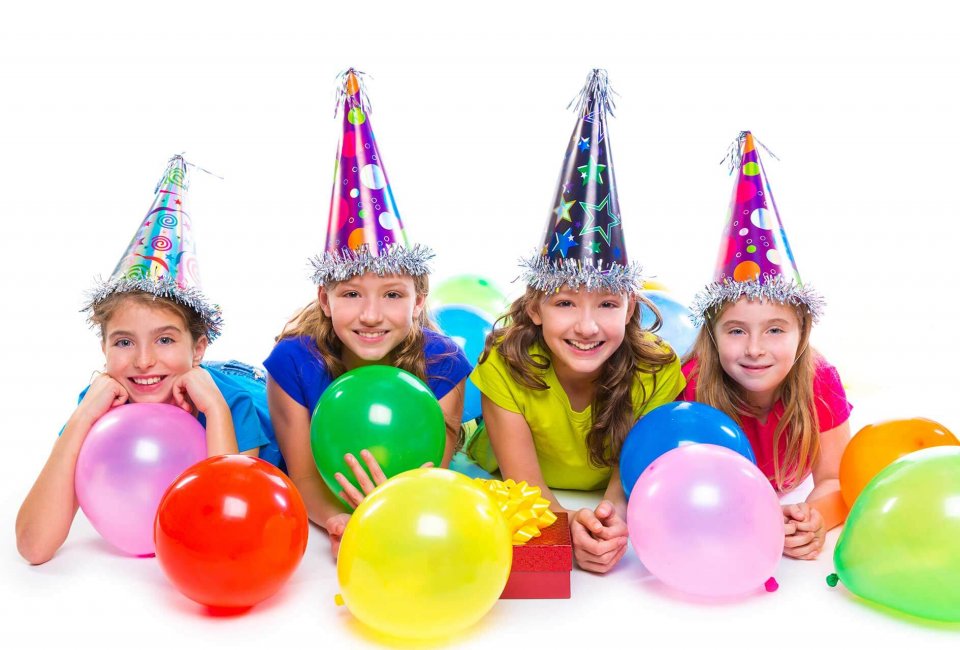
(830, 399)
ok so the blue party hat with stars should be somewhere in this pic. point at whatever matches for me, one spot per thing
(583, 245)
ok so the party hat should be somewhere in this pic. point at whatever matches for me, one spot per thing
(161, 258)
(583, 244)
(755, 257)
(364, 232)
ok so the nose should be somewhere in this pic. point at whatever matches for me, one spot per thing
(754, 347)
(145, 357)
(371, 313)
(586, 326)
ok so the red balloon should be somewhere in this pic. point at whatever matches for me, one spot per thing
(230, 531)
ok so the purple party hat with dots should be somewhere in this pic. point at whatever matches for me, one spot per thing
(755, 259)
(364, 233)
(161, 258)
(583, 244)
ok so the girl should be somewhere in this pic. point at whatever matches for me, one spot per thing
(370, 309)
(570, 371)
(154, 327)
(752, 360)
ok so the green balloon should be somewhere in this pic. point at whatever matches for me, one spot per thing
(900, 546)
(472, 291)
(380, 408)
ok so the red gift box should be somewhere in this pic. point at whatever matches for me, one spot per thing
(541, 567)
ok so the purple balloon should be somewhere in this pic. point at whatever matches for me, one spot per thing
(127, 461)
(705, 520)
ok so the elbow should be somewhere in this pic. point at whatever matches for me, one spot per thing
(33, 550)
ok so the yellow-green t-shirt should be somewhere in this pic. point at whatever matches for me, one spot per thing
(559, 432)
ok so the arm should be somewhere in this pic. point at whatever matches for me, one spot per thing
(599, 536)
(452, 406)
(47, 513)
(291, 422)
(807, 523)
(196, 389)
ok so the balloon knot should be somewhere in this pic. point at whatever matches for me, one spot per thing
(338, 600)
(771, 585)
(833, 579)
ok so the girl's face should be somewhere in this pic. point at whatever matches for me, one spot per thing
(757, 343)
(371, 314)
(147, 348)
(582, 328)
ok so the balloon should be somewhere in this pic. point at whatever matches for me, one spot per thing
(380, 408)
(425, 555)
(129, 458)
(654, 285)
(230, 531)
(877, 445)
(677, 328)
(470, 290)
(674, 425)
(706, 521)
(899, 545)
(469, 328)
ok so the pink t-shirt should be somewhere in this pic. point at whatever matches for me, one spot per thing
(830, 400)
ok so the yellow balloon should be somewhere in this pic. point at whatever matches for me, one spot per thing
(426, 555)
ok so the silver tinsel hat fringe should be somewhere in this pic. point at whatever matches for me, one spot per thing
(162, 287)
(775, 289)
(734, 155)
(393, 260)
(549, 276)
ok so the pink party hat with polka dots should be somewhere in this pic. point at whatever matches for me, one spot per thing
(755, 258)
(364, 232)
(162, 258)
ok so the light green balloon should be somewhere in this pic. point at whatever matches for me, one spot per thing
(900, 546)
(471, 291)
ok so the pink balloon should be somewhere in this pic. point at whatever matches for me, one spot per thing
(129, 458)
(705, 520)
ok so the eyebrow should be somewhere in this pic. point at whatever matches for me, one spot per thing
(165, 328)
(739, 323)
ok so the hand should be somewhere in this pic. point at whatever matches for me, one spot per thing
(804, 531)
(195, 389)
(335, 526)
(104, 393)
(599, 537)
(350, 493)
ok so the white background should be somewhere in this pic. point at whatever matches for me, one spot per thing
(859, 102)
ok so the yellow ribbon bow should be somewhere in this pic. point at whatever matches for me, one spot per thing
(526, 512)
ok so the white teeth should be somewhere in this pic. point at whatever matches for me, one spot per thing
(585, 346)
(371, 335)
(146, 382)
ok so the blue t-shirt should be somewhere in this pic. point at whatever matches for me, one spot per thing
(298, 369)
(244, 390)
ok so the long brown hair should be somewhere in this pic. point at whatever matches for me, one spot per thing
(312, 322)
(613, 410)
(797, 432)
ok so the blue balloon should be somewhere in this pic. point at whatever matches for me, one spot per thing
(468, 327)
(677, 329)
(674, 425)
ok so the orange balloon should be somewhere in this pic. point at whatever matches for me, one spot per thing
(877, 445)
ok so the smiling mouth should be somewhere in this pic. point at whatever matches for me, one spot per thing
(147, 381)
(371, 335)
(754, 367)
(583, 347)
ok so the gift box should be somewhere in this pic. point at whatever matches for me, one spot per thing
(541, 567)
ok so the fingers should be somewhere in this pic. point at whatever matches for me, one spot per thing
(797, 541)
(362, 478)
(602, 564)
(805, 552)
(814, 521)
(789, 528)
(588, 519)
(349, 493)
(375, 472)
(584, 542)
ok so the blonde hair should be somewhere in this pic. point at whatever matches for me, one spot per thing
(797, 432)
(408, 355)
(103, 311)
(613, 410)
